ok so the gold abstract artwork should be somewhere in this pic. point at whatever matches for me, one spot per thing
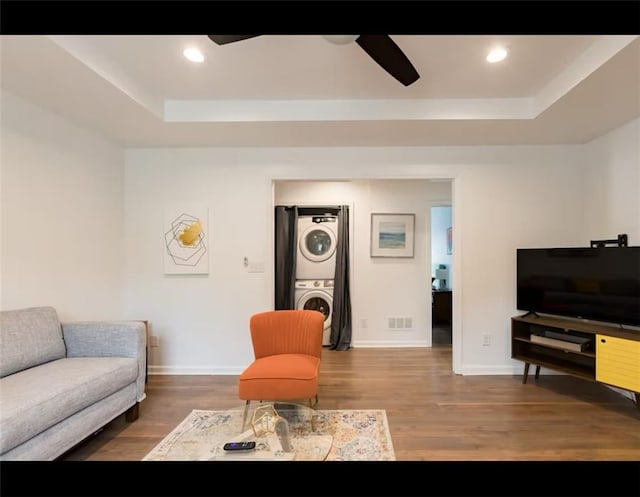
(186, 239)
(191, 233)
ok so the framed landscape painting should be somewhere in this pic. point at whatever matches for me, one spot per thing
(392, 235)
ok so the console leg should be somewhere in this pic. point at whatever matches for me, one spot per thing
(132, 413)
(526, 372)
(537, 372)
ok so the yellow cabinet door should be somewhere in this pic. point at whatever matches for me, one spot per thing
(618, 362)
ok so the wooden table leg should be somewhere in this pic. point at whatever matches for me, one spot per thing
(537, 372)
(526, 372)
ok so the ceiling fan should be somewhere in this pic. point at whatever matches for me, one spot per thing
(381, 48)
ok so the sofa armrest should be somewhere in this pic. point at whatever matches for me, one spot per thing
(109, 339)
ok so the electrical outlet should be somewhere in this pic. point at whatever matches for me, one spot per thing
(155, 340)
(363, 323)
(486, 339)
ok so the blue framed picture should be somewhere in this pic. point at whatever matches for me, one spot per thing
(392, 235)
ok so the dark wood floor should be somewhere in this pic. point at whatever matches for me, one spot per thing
(434, 415)
(441, 334)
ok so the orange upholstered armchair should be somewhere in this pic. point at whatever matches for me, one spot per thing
(287, 345)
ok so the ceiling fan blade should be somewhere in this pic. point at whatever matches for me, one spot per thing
(224, 39)
(389, 56)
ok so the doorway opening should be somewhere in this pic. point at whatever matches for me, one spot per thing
(441, 276)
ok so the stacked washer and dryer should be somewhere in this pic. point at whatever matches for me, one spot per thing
(316, 265)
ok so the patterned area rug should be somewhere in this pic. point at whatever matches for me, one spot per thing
(341, 435)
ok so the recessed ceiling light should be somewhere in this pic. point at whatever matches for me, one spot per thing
(496, 55)
(193, 54)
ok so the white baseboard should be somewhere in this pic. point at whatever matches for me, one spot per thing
(195, 370)
(480, 370)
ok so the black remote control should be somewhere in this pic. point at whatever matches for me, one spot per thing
(239, 446)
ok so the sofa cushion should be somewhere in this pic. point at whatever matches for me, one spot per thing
(37, 398)
(29, 337)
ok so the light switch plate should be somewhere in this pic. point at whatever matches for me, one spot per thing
(256, 267)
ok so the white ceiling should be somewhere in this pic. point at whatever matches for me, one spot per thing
(301, 90)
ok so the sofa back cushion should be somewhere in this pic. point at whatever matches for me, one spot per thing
(29, 337)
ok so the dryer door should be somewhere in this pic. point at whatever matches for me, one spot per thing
(317, 300)
(318, 242)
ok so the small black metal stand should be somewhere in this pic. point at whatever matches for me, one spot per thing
(621, 241)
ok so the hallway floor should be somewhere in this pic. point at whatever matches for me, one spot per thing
(441, 335)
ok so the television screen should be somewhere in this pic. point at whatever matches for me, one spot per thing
(600, 284)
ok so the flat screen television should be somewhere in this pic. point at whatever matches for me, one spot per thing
(600, 284)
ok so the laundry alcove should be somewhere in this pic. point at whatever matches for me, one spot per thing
(286, 251)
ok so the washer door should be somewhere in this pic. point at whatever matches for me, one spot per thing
(318, 243)
(317, 300)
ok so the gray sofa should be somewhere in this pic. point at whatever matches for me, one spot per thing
(62, 382)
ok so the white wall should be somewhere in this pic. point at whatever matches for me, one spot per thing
(62, 243)
(62, 207)
(372, 309)
(201, 320)
(612, 190)
(502, 197)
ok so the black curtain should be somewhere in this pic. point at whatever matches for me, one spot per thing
(286, 222)
(340, 337)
